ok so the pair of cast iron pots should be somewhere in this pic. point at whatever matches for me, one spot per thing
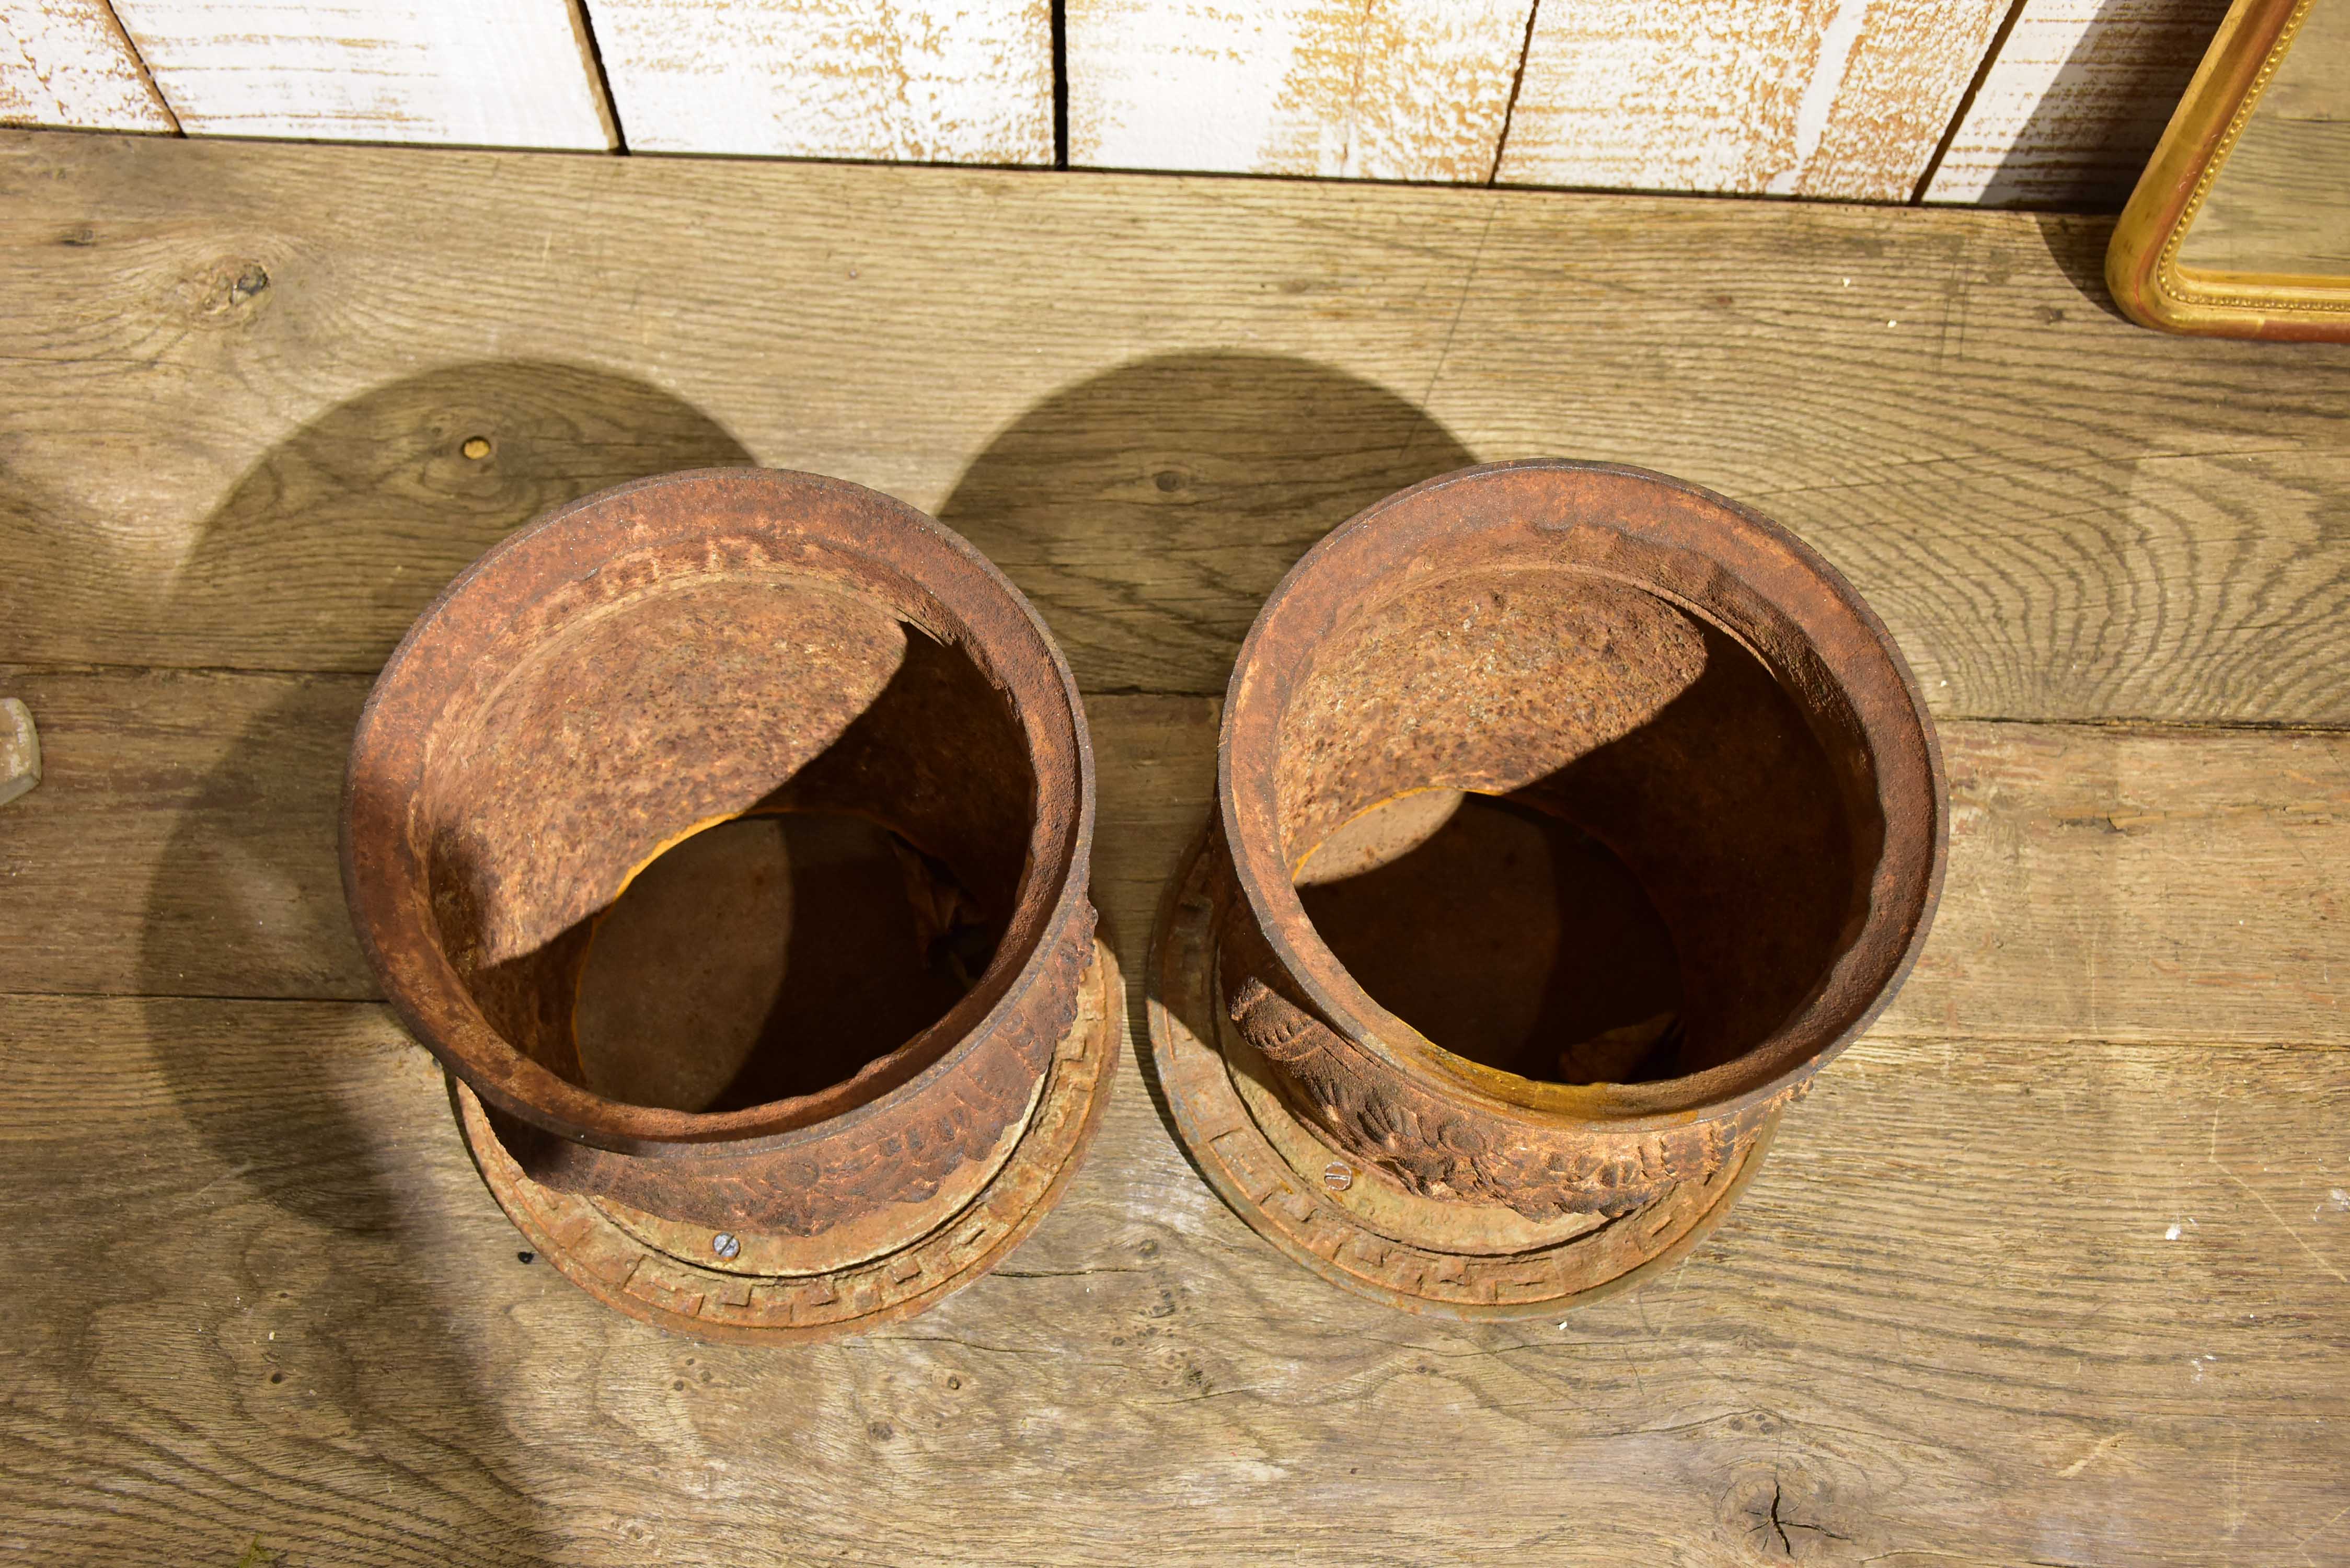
(726, 836)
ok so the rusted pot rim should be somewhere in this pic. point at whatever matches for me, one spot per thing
(1518, 502)
(979, 610)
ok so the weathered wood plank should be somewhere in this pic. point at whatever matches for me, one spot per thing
(183, 837)
(496, 73)
(2140, 885)
(1991, 463)
(2105, 883)
(2076, 1305)
(253, 370)
(1408, 89)
(2068, 111)
(1826, 97)
(66, 63)
(949, 81)
(2050, 1268)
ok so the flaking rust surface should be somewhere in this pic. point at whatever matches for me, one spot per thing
(1662, 668)
(668, 1274)
(604, 684)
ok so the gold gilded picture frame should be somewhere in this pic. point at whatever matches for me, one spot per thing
(2143, 263)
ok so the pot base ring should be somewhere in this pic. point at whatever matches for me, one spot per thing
(1258, 1173)
(614, 1263)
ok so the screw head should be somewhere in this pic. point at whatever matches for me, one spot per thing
(725, 1245)
(1337, 1175)
(476, 448)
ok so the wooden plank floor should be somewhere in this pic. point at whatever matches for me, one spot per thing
(2054, 1267)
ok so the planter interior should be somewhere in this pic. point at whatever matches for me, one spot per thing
(613, 927)
(714, 808)
(1652, 863)
(1582, 785)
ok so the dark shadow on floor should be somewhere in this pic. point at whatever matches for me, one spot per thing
(414, 479)
(2077, 242)
(2087, 140)
(1148, 512)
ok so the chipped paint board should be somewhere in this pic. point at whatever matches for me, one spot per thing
(65, 63)
(837, 79)
(2071, 107)
(1395, 89)
(948, 81)
(483, 73)
(1797, 98)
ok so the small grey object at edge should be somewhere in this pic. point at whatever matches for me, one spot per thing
(20, 750)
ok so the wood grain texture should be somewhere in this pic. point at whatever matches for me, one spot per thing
(954, 81)
(2281, 203)
(494, 73)
(183, 839)
(2067, 112)
(1379, 90)
(1823, 98)
(1988, 1302)
(2051, 1267)
(2059, 1298)
(2105, 883)
(1143, 397)
(66, 63)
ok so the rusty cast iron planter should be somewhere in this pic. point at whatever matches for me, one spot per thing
(1600, 666)
(683, 654)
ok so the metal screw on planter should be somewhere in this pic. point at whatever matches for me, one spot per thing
(1570, 817)
(725, 836)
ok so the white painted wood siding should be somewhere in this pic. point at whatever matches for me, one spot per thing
(937, 82)
(487, 73)
(1794, 97)
(1381, 89)
(2070, 110)
(65, 63)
